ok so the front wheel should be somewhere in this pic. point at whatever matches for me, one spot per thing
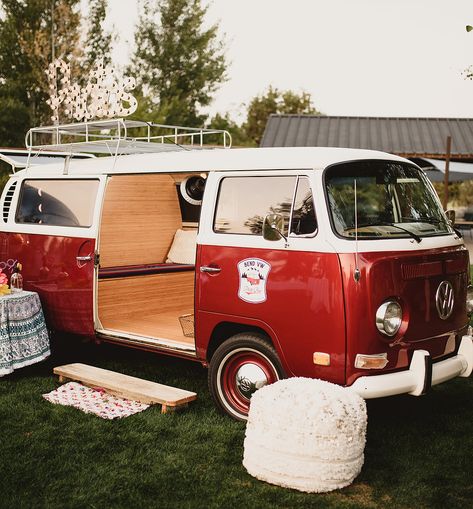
(240, 366)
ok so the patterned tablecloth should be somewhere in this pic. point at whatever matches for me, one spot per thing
(24, 338)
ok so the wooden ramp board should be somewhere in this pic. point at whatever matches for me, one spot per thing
(124, 386)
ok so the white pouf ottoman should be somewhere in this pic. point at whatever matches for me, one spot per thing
(305, 434)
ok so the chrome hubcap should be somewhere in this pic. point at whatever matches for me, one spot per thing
(249, 378)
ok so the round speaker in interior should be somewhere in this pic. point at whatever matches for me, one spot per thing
(192, 189)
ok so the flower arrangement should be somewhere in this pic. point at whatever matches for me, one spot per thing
(16, 280)
(4, 289)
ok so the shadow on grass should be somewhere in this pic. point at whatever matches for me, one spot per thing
(417, 454)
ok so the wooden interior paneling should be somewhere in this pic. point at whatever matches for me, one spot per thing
(140, 217)
(147, 305)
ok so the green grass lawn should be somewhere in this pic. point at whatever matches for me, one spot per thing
(418, 453)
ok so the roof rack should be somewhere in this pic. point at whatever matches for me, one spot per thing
(20, 158)
(119, 136)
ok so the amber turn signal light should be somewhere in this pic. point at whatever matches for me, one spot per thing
(376, 361)
(321, 358)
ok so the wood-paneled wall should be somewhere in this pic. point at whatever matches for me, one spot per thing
(139, 219)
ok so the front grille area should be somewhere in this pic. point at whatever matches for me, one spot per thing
(418, 270)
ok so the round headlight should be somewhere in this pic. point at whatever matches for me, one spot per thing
(469, 300)
(389, 318)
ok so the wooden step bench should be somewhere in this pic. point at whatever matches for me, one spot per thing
(124, 386)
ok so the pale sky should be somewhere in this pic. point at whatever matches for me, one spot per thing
(355, 57)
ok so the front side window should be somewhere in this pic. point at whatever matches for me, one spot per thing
(382, 199)
(303, 220)
(57, 202)
(243, 203)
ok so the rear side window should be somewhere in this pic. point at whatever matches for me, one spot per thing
(57, 202)
(243, 203)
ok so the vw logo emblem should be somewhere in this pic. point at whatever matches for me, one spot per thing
(245, 385)
(444, 299)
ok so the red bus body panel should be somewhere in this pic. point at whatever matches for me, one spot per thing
(411, 278)
(303, 312)
(310, 296)
(65, 286)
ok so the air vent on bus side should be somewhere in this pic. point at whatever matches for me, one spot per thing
(7, 201)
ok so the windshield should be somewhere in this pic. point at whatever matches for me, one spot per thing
(392, 200)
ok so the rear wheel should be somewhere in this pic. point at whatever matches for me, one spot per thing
(240, 366)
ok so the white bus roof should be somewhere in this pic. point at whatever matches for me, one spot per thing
(212, 160)
(19, 158)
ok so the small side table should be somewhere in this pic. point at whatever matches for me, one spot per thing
(24, 338)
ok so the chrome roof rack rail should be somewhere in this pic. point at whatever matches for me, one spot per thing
(119, 136)
(21, 158)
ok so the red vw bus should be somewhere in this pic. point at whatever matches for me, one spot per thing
(261, 264)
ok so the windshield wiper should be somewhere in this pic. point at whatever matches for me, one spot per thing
(412, 234)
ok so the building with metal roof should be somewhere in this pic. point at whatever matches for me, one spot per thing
(404, 136)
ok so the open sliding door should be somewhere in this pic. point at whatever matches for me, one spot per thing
(142, 294)
(52, 231)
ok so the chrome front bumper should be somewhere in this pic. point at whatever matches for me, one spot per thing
(420, 376)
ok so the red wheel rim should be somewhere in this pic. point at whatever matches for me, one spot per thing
(233, 395)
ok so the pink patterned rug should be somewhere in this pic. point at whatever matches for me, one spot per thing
(94, 401)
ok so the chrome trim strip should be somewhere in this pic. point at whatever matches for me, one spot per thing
(158, 343)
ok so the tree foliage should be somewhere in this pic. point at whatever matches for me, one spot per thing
(468, 72)
(178, 62)
(15, 117)
(98, 41)
(460, 194)
(224, 122)
(274, 101)
(25, 51)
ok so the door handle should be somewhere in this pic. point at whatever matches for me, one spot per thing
(210, 270)
(87, 258)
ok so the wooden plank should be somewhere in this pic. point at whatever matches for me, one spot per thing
(140, 216)
(125, 386)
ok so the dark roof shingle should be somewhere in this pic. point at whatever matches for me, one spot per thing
(410, 137)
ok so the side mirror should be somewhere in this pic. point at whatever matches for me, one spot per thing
(273, 226)
(450, 216)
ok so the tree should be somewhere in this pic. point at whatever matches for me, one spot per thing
(98, 42)
(274, 101)
(224, 122)
(250, 132)
(27, 28)
(15, 117)
(178, 63)
(468, 72)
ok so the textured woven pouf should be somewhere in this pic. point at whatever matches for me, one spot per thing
(305, 434)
